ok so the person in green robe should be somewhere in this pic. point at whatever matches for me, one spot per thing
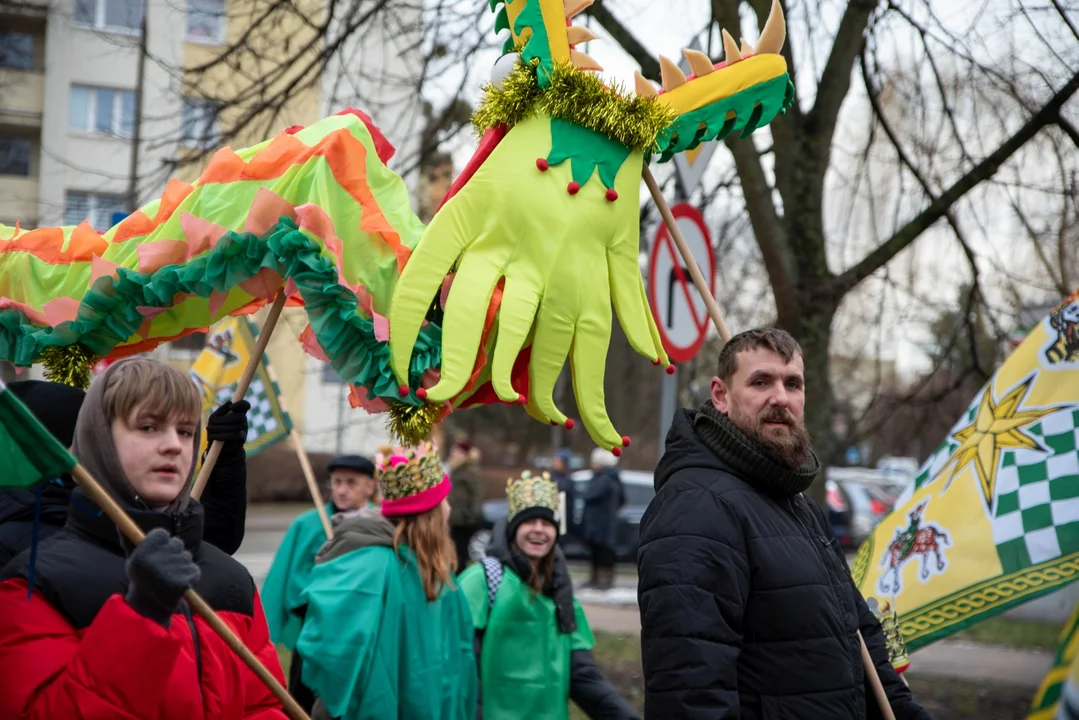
(386, 632)
(532, 640)
(353, 487)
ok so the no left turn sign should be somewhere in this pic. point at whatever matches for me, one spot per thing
(680, 312)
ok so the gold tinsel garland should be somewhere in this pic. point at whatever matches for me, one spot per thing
(68, 364)
(411, 424)
(577, 97)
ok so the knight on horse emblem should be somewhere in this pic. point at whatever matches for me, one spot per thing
(913, 540)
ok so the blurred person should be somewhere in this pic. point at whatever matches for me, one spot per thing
(386, 633)
(533, 642)
(599, 521)
(96, 628)
(748, 609)
(466, 498)
(56, 405)
(352, 488)
(560, 474)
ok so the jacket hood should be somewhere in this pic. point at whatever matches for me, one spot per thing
(684, 449)
(367, 528)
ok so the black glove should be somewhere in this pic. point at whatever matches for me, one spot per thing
(228, 423)
(160, 570)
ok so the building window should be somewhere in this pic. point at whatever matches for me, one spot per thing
(122, 15)
(206, 20)
(17, 50)
(101, 110)
(199, 123)
(98, 208)
(14, 156)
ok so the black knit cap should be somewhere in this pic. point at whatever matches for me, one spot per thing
(529, 513)
(352, 462)
(56, 405)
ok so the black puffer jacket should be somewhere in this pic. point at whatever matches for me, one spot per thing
(747, 607)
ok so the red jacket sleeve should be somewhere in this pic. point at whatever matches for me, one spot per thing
(114, 671)
(261, 704)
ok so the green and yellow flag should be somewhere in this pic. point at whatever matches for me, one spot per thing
(29, 454)
(1064, 673)
(217, 372)
(992, 519)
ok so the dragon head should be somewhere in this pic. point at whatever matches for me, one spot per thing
(740, 94)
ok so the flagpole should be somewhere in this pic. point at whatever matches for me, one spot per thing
(241, 388)
(134, 533)
(305, 461)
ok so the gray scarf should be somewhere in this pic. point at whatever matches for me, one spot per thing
(748, 458)
(96, 451)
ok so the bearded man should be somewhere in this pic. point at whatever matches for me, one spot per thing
(748, 609)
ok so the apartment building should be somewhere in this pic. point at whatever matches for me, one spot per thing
(69, 71)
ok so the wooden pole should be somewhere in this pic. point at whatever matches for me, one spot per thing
(874, 681)
(725, 335)
(687, 257)
(305, 462)
(134, 533)
(241, 388)
(312, 484)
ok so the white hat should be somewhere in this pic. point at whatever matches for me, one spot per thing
(603, 458)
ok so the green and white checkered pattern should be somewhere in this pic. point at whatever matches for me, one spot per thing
(1036, 514)
(267, 422)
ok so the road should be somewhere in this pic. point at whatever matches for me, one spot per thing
(616, 611)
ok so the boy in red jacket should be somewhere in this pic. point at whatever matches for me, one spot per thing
(104, 631)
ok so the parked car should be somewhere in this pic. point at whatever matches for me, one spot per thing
(639, 490)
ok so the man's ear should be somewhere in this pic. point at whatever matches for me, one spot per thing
(720, 395)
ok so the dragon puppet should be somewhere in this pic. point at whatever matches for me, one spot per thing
(517, 271)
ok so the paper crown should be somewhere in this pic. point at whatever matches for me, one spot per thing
(411, 480)
(531, 491)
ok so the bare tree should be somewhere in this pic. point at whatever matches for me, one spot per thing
(784, 187)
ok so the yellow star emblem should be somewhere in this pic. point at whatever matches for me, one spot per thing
(997, 426)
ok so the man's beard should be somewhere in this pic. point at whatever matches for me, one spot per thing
(790, 448)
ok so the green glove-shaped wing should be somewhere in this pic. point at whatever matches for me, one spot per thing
(553, 210)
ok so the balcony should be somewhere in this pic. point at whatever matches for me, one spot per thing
(23, 99)
(19, 200)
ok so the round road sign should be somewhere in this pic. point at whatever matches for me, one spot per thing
(680, 312)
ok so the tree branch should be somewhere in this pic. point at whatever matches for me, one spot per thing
(834, 83)
(621, 35)
(939, 207)
(1069, 129)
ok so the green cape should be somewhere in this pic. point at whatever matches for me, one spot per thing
(288, 576)
(374, 648)
(525, 661)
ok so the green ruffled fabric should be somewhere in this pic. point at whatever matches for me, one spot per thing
(108, 314)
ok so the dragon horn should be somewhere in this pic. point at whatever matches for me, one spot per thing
(698, 62)
(671, 74)
(774, 32)
(746, 48)
(577, 35)
(573, 7)
(582, 61)
(730, 49)
(642, 86)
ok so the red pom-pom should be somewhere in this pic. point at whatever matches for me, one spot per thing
(625, 441)
(616, 451)
(570, 423)
(403, 391)
(612, 194)
(421, 393)
(542, 164)
(520, 399)
(573, 188)
(293, 129)
(670, 369)
(656, 361)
